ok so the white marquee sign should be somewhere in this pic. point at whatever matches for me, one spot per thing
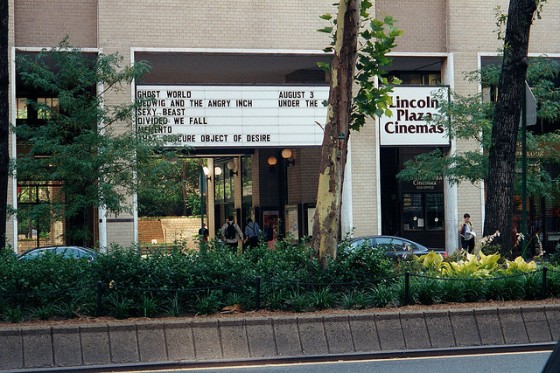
(234, 116)
(412, 121)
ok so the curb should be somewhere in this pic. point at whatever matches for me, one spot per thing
(199, 341)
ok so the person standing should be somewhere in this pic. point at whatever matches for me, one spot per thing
(231, 233)
(203, 233)
(467, 234)
(252, 233)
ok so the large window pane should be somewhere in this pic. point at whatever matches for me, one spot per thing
(434, 211)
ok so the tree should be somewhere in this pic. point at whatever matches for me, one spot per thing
(511, 87)
(474, 119)
(75, 144)
(176, 183)
(4, 120)
(346, 112)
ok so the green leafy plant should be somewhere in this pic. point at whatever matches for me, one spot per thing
(428, 291)
(14, 314)
(298, 302)
(150, 306)
(209, 303)
(173, 305)
(383, 296)
(120, 306)
(323, 298)
(44, 312)
(452, 290)
(354, 300)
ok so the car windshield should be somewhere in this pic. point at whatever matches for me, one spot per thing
(390, 243)
(65, 252)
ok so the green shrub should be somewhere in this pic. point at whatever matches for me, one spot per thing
(452, 291)
(173, 306)
(506, 288)
(150, 306)
(427, 291)
(553, 282)
(209, 303)
(474, 290)
(383, 296)
(354, 300)
(119, 306)
(14, 314)
(323, 298)
(533, 286)
(298, 302)
(44, 312)
(291, 278)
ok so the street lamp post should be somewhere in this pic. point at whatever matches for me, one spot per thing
(203, 188)
(528, 118)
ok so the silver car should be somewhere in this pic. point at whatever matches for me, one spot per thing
(394, 247)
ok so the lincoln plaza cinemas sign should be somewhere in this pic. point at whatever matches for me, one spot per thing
(411, 122)
(233, 116)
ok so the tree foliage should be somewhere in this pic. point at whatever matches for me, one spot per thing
(472, 120)
(169, 188)
(84, 144)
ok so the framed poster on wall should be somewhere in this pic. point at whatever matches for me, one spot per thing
(292, 221)
(270, 222)
(310, 219)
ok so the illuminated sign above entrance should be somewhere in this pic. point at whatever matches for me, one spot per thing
(416, 117)
(233, 116)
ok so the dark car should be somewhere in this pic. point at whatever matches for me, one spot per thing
(394, 247)
(70, 252)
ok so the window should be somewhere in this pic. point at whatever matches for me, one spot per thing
(423, 211)
(434, 211)
(45, 106)
(413, 211)
(419, 78)
(38, 224)
(21, 108)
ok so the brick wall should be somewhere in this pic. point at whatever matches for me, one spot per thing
(46, 23)
(423, 23)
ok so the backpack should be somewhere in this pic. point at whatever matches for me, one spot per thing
(268, 233)
(230, 232)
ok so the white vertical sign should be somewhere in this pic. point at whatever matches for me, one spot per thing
(412, 121)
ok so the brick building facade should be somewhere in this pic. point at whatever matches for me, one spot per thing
(274, 43)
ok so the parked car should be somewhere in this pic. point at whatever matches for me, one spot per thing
(394, 247)
(70, 252)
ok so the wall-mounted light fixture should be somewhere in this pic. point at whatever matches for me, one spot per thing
(206, 173)
(287, 154)
(272, 161)
(232, 169)
(217, 172)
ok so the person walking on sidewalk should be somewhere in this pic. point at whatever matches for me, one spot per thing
(252, 233)
(231, 233)
(467, 234)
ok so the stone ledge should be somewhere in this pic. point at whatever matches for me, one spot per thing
(215, 339)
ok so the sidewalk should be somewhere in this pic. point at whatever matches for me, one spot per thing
(246, 337)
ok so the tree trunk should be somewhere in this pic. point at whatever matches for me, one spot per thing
(511, 87)
(4, 120)
(326, 224)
